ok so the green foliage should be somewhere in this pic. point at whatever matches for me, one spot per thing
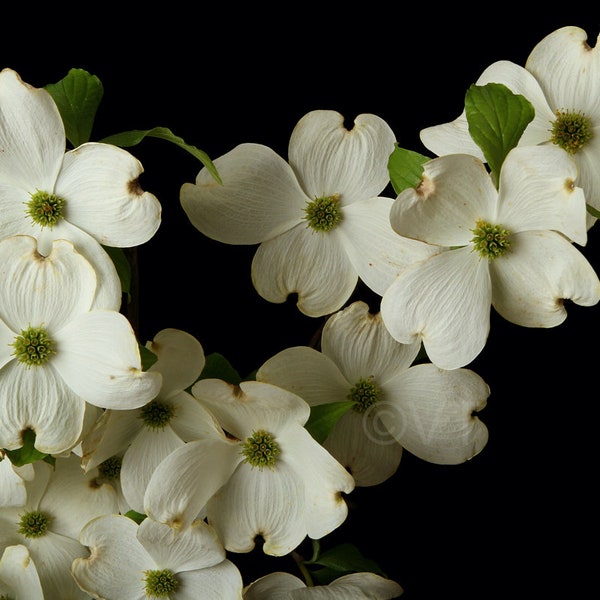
(338, 561)
(218, 367)
(497, 119)
(77, 97)
(324, 416)
(405, 168)
(122, 265)
(148, 357)
(27, 453)
(135, 516)
(134, 137)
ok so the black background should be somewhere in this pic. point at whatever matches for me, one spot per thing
(516, 521)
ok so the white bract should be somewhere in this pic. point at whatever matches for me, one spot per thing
(354, 586)
(510, 248)
(140, 439)
(153, 560)
(18, 575)
(59, 349)
(422, 408)
(12, 481)
(561, 79)
(267, 478)
(319, 220)
(90, 195)
(60, 501)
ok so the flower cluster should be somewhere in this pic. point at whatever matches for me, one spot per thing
(134, 469)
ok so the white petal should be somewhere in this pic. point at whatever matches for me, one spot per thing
(360, 344)
(117, 560)
(430, 411)
(589, 175)
(192, 474)
(180, 359)
(253, 405)
(446, 300)
(363, 586)
(12, 484)
(537, 192)
(33, 136)
(260, 197)
(363, 446)
(46, 291)
(306, 372)
(325, 481)
(569, 70)
(266, 503)
(187, 549)
(142, 457)
(274, 586)
(543, 269)
(99, 359)
(308, 263)
(377, 252)
(330, 159)
(191, 420)
(222, 581)
(74, 497)
(99, 183)
(18, 571)
(455, 192)
(38, 398)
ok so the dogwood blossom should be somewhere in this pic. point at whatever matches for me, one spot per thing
(59, 349)
(319, 220)
(60, 501)
(18, 575)
(153, 560)
(422, 408)
(561, 79)
(89, 195)
(268, 477)
(354, 586)
(510, 248)
(138, 440)
(12, 481)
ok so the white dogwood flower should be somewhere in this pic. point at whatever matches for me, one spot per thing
(427, 410)
(18, 575)
(153, 560)
(561, 79)
(319, 220)
(510, 248)
(12, 481)
(90, 195)
(58, 349)
(266, 477)
(136, 441)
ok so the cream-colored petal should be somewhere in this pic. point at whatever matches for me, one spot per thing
(259, 199)
(217, 583)
(330, 159)
(313, 265)
(18, 572)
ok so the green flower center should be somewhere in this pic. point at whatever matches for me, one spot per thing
(160, 584)
(491, 241)
(323, 214)
(45, 209)
(110, 469)
(571, 130)
(33, 347)
(364, 394)
(261, 450)
(34, 524)
(157, 414)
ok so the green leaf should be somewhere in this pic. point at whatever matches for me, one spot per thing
(405, 168)
(595, 213)
(345, 558)
(324, 416)
(77, 97)
(148, 357)
(219, 367)
(27, 453)
(122, 265)
(134, 137)
(497, 118)
(135, 516)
